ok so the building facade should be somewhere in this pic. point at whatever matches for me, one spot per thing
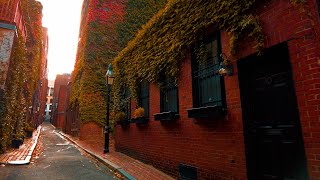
(244, 116)
(22, 57)
(48, 109)
(11, 20)
(39, 100)
(59, 100)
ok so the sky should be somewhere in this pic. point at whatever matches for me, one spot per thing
(62, 18)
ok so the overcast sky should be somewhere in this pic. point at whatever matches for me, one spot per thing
(62, 18)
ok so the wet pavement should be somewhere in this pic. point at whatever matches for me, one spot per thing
(57, 158)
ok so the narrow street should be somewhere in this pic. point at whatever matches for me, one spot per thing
(59, 160)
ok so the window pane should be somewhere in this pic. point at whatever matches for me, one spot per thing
(169, 98)
(206, 81)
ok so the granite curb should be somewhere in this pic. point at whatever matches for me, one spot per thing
(111, 165)
(28, 157)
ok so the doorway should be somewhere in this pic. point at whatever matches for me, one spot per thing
(272, 131)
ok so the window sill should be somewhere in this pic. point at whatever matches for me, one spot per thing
(207, 112)
(140, 120)
(166, 116)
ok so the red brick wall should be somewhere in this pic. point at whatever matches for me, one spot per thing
(61, 107)
(92, 133)
(43, 98)
(59, 81)
(11, 12)
(217, 147)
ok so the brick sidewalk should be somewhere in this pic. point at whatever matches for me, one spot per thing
(23, 154)
(131, 166)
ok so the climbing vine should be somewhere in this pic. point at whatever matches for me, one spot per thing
(12, 121)
(137, 13)
(97, 47)
(22, 75)
(106, 28)
(161, 43)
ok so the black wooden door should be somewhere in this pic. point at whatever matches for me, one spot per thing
(274, 145)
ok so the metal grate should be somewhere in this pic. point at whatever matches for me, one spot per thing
(187, 172)
(169, 97)
(208, 87)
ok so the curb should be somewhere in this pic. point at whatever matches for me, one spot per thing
(111, 165)
(28, 158)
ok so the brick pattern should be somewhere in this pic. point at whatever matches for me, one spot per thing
(72, 122)
(136, 168)
(59, 81)
(18, 154)
(92, 133)
(61, 107)
(11, 12)
(217, 147)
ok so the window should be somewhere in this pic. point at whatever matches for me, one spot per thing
(208, 85)
(169, 97)
(144, 97)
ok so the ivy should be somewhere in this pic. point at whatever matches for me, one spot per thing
(22, 76)
(98, 46)
(161, 43)
(138, 13)
(12, 117)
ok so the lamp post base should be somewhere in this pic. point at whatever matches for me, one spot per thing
(105, 150)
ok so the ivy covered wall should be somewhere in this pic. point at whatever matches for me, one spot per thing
(106, 28)
(23, 74)
(160, 45)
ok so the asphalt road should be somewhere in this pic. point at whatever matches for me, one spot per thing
(60, 159)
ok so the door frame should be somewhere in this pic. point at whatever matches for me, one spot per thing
(243, 87)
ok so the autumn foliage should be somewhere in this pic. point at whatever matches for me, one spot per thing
(22, 77)
(106, 27)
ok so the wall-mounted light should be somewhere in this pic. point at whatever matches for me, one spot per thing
(226, 68)
(109, 75)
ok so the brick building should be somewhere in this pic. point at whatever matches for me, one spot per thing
(72, 122)
(40, 94)
(59, 100)
(261, 122)
(11, 19)
(99, 20)
(48, 113)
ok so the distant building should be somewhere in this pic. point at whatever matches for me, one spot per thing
(72, 122)
(40, 95)
(48, 109)
(59, 99)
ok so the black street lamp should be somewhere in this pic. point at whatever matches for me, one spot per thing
(109, 81)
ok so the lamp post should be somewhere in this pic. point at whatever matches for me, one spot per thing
(109, 81)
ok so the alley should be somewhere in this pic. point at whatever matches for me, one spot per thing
(59, 160)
